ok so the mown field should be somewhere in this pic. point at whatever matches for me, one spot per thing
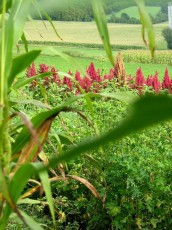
(86, 32)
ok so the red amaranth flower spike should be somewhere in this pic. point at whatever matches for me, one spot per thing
(55, 76)
(43, 68)
(149, 80)
(79, 79)
(30, 72)
(166, 83)
(68, 82)
(139, 81)
(92, 73)
(131, 81)
(87, 84)
(156, 84)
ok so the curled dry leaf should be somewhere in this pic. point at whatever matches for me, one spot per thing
(68, 177)
(87, 184)
(31, 150)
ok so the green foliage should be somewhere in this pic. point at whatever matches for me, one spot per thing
(136, 193)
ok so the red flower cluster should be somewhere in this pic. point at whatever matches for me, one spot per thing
(43, 68)
(94, 82)
(139, 82)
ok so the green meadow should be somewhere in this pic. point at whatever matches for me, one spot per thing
(80, 58)
(133, 11)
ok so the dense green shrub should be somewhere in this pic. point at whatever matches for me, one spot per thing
(167, 34)
(125, 18)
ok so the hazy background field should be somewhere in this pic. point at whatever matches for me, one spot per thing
(86, 32)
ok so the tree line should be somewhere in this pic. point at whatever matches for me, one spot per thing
(76, 10)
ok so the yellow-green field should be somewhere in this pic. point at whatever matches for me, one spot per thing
(86, 32)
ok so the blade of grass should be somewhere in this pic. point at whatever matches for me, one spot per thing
(31, 223)
(16, 186)
(146, 25)
(43, 12)
(100, 19)
(26, 60)
(24, 40)
(22, 82)
(47, 188)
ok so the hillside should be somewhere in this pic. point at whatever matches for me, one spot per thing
(76, 10)
(133, 11)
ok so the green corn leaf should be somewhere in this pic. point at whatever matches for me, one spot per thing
(24, 40)
(100, 19)
(47, 188)
(146, 25)
(62, 139)
(14, 26)
(43, 93)
(32, 102)
(8, 5)
(22, 82)
(89, 105)
(4, 189)
(30, 201)
(43, 12)
(26, 60)
(20, 179)
(31, 223)
(147, 111)
(37, 121)
(19, 12)
(16, 186)
(8, 45)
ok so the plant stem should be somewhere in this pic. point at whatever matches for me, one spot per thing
(5, 146)
(2, 66)
(2, 78)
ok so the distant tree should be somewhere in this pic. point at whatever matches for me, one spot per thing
(125, 16)
(167, 34)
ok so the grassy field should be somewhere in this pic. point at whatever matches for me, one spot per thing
(83, 57)
(133, 11)
(86, 32)
(131, 68)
